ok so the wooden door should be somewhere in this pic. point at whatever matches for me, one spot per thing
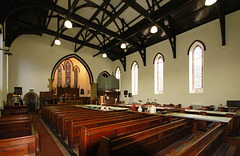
(31, 102)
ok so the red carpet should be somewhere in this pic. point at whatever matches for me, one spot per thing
(47, 145)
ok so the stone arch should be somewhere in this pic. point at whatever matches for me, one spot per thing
(79, 59)
(26, 96)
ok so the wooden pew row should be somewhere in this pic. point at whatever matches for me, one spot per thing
(9, 112)
(233, 126)
(75, 127)
(60, 117)
(10, 129)
(90, 137)
(46, 111)
(19, 146)
(15, 117)
(208, 144)
(51, 116)
(55, 115)
(64, 122)
(147, 142)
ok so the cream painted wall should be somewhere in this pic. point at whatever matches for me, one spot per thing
(221, 67)
(33, 60)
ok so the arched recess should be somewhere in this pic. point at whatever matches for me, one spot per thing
(104, 73)
(79, 59)
(25, 100)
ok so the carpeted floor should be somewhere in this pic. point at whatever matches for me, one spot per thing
(47, 145)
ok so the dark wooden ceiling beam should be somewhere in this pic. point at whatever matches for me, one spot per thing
(33, 29)
(171, 36)
(64, 12)
(221, 15)
(165, 10)
(91, 19)
(70, 10)
(120, 11)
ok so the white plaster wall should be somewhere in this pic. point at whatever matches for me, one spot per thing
(221, 67)
(33, 60)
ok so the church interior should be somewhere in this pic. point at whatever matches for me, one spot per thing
(119, 77)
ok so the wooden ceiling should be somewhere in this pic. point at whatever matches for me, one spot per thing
(104, 24)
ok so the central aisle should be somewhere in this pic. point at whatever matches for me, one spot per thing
(48, 146)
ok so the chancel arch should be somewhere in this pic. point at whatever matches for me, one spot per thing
(71, 73)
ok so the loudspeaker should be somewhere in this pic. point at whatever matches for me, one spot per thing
(125, 93)
(129, 94)
(18, 90)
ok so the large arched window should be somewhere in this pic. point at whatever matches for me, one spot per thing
(134, 78)
(68, 74)
(118, 76)
(59, 76)
(75, 77)
(158, 74)
(196, 56)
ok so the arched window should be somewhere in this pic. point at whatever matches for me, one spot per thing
(59, 76)
(68, 74)
(118, 73)
(158, 74)
(134, 78)
(196, 55)
(118, 76)
(75, 77)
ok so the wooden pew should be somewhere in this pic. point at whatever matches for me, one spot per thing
(147, 142)
(75, 127)
(15, 117)
(20, 111)
(233, 126)
(90, 137)
(26, 145)
(64, 122)
(10, 129)
(208, 144)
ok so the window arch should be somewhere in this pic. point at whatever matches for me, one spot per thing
(158, 73)
(196, 62)
(59, 76)
(134, 78)
(68, 74)
(118, 76)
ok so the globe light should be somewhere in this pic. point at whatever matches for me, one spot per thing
(154, 29)
(57, 42)
(123, 46)
(210, 2)
(104, 55)
(68, 24)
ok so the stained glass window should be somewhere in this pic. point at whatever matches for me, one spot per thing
(68, 74)
(196, 68)
(75, 77)
(135, 78)
(59, 76)
(158, 74)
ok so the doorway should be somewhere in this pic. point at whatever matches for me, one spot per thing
(31, 102)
